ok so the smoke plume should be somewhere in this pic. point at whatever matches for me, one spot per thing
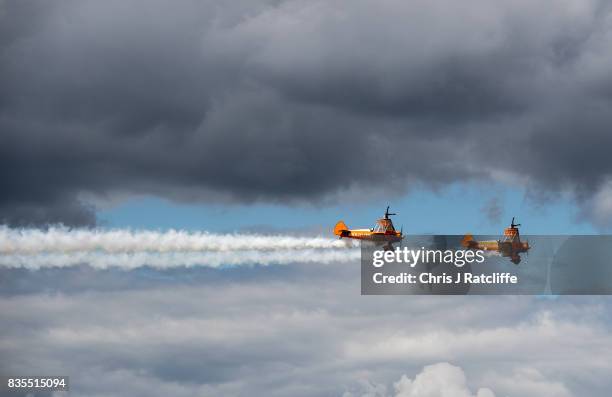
(129, 249)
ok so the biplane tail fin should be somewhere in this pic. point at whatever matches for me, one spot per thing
(339, 228)
(468, 240)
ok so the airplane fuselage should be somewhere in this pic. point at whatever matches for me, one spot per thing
(367, 234)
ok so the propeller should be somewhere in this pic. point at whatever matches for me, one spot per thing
(387, 213)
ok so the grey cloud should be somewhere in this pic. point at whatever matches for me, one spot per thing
(43, 211)
(289, 331)
(295, 101)
(493, 210)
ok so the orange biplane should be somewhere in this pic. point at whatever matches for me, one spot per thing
(510, 245)
(382, 232)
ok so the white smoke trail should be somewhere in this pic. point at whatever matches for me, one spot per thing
(180, 259)
(127, 249)
(33, 241)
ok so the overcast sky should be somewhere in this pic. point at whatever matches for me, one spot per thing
(294, 330)
(291, 102)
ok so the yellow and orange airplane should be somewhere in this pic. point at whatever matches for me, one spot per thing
(510, 245)
(382, 232)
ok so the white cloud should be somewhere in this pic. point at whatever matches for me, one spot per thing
(528, 381)
(438, 380)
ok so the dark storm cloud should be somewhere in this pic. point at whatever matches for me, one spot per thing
(295, 100)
